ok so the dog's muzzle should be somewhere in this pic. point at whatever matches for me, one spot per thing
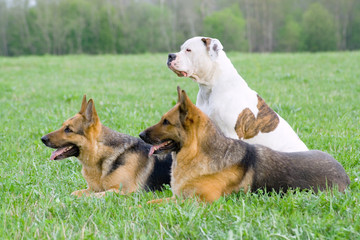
(45, 140)
(171, 57)
(143, 135)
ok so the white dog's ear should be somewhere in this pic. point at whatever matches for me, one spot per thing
(213, 47)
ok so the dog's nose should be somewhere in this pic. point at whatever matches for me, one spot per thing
(45, 139)
(142, 135)
(171, 57)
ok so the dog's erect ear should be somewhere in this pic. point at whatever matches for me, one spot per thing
(179, 93)
(90, 113)
(182, 99)
(83, 105)
(185, 102)
(213, 46)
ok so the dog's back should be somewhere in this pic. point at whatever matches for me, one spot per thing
(275, 170)
(310, 169)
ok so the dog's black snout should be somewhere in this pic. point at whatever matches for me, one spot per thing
(143, 135)
(45, 139)
(171, 58)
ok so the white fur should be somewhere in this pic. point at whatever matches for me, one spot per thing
(223, 94)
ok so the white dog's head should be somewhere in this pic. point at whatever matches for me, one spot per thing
(196, 58)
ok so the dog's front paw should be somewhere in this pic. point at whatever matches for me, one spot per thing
(98, 194)
(102, 194)
(160, 200)
(81, 193)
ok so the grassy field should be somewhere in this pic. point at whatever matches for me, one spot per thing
(318, 94)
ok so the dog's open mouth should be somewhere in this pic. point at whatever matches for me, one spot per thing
(65, 152)
(167, 145)
(179, 73)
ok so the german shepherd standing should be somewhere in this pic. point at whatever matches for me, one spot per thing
(110, 160)
(209, 165)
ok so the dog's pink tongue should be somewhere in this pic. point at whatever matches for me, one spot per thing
(152, 150)
(183, 73)
(57, 153)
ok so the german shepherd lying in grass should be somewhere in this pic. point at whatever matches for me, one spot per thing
(110, 160)
(209, 165)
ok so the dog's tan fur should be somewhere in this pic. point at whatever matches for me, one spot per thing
(208, 165)
(110, 160)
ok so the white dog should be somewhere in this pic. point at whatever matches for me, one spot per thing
(226, 98)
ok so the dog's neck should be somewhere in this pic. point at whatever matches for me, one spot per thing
(222, 74)
(90, 154)
(205, 78)
(223, 150)
(205, 149)
(209, 142)
(210, 152)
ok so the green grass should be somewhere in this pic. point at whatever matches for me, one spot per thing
(318, 94)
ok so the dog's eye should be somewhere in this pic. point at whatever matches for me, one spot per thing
(166, 122)
(188, 50)
(67, 130)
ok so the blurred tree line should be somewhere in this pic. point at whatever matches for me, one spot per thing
(137, 26)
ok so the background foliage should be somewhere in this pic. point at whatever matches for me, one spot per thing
(137, 26)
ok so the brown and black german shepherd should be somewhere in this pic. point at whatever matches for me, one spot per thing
(111, 161)
(209, 165)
